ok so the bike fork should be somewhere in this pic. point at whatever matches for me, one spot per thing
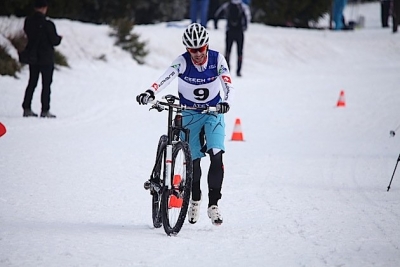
(168, 166)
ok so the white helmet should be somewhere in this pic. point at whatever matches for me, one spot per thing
(195, 36)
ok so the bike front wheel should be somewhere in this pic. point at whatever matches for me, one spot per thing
(157, 177)
(175, 200)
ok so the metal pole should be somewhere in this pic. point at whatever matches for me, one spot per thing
(398, 159)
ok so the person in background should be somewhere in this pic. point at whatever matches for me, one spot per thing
(385, 12)
(396, 14)
(238, 18)
(42, 37)
(199, 9)
(203, 80)
(214, 5)
(338, 18)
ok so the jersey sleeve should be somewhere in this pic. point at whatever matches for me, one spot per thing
(177, 66)
(225, 78)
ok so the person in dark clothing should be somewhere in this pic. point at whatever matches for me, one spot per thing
(234, 29)
(212, 8)
(42, 37)
(396, 14)
(385, 12)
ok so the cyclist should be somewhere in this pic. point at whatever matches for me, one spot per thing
(204, 80)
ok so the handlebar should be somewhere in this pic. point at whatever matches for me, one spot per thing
(170, 102)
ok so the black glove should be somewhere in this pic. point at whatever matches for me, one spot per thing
(222, 107)
(145, 97)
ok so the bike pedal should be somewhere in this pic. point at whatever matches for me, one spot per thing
(147, 185)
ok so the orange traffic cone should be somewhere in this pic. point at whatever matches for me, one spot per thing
(341, 102)
(237, 132)
(3, 129)
(175, 202)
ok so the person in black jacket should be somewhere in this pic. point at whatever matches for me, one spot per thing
(238, 18)
(395, 14)
(42, 37)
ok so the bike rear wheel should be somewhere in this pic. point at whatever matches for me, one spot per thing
(175, 200)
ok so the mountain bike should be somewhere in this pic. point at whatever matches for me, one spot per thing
(170, 180)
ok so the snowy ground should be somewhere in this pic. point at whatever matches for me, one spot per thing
(307, 187)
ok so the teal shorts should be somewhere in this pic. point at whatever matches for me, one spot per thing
(213, 126)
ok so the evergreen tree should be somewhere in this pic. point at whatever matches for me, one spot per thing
(128, 40)
(297, 13)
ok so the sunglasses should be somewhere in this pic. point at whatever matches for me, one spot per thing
(195, 50)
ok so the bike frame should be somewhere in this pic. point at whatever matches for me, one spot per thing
(164, 189)
(177, 109)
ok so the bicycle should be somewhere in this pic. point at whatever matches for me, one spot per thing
(170, 181)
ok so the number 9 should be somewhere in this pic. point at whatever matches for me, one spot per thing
(201, 93)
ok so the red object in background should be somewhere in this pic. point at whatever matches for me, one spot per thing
(2, 129)
(341, 102)
(237, 134)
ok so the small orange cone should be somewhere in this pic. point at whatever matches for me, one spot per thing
(341, 102)
(237, 132)
(175, 202)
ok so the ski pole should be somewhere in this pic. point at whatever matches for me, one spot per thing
(398, 159)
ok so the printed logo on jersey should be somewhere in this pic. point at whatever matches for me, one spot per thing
(222, 69)
(212, 78)
(192, 80)
(195, 80)
(167, 78)
(155, 86)
(227, 92)
(227, 79)
(177, 66)
(196, 105)
(212, 66)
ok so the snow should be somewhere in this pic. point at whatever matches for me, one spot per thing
(307, 187)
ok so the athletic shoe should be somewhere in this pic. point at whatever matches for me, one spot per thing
(47, 114)
(29, 113)
(194, 211)
(214, 215)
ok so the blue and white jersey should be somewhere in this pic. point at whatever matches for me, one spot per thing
(198, 85)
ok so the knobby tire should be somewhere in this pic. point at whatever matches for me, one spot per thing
(156, 176)
(185, 189)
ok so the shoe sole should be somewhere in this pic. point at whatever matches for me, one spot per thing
(217, 223)
(192, 221)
